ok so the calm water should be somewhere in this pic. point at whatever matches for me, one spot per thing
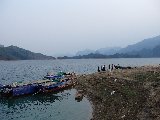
(11, 71)
(61, 106)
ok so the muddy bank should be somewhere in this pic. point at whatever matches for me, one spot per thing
(123, 94)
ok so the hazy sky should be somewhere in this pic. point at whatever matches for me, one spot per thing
(67, 26)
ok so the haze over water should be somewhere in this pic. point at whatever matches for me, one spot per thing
(56, 27)
(63, 27)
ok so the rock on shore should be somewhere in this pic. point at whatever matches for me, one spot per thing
(129, 94)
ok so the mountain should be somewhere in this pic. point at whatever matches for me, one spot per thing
(145, 49)
(97, 55)
(108, 50)
(16, 53)
(1, 45)
(103, 51)
(148, 53)
(84, 52)
(156, 51)
(148, 44)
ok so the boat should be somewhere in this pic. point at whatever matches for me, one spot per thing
(58, 82)
(50, 83)
(19, 88)
(56, 85)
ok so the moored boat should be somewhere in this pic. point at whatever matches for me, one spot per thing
(51, 83)
(55, 86)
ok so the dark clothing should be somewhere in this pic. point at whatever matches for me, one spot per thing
(98, 69)
(112, 67)
(109, 67)
(104, 68)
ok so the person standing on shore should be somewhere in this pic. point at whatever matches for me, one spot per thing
(101, 68)
(104, 68)
(112, 67)
(98, 69)
(109, 67)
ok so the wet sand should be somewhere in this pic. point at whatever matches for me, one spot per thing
(128, 94)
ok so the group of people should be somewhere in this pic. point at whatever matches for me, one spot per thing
(103, 68)
(112, 67)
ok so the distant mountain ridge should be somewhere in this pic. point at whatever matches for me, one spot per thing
(146, 49)
(1, 45)
(145, 44)
(147, 53)
(108, 50)
(85, 52)
(97, 55)
(16, 53)
(143, 48)
(103, 51)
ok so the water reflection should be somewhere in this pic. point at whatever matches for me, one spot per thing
(27, 106)
(61, 106)
(36, 99)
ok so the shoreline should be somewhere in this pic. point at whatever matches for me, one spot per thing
(123, 94)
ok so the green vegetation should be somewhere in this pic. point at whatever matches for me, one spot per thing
(97, 55)
(16, 53)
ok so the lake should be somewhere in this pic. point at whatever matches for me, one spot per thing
(60, 106)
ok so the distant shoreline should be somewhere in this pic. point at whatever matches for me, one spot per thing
(78, 58)
(103, 58)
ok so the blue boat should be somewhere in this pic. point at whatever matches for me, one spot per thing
(20, 88)
(50, 84)
(55, 86)
(24, 90)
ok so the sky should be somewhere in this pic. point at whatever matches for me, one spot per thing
(59, 27)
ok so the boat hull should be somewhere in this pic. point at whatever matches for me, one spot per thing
(56, 87)
(24, 90)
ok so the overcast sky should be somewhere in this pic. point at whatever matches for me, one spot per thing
(66, 26)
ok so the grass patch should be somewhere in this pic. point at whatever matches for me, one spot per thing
(126, 90)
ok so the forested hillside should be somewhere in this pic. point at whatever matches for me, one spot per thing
(16, 53)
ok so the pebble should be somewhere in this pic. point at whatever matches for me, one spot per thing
(113, 92)
(123, 116)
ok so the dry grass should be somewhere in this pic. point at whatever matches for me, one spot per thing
(124, 94)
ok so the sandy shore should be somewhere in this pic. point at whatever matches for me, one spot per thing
(131, 94)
